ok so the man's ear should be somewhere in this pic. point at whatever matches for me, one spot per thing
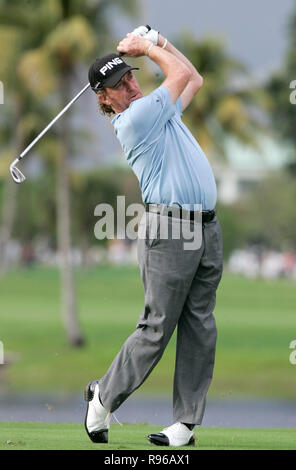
(103, 98)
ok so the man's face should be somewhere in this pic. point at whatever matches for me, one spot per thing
(121, 96)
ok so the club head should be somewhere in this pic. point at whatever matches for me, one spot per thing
(16, 174)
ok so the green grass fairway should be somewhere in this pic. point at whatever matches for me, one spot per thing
(255, 319)
(40, 436)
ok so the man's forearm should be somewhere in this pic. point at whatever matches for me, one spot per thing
(168, 64)
(173, 50)
(175, 70)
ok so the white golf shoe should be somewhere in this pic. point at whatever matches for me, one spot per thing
(97, 418)
(176, 435)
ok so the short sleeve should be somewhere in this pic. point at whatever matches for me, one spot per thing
(149, 115)
(179, 106)
(143, 122)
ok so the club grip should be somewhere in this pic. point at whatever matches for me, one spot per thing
(149, 29)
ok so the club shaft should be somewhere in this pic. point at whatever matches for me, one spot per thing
(53, 122)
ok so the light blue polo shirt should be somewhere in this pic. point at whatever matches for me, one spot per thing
(167, 160)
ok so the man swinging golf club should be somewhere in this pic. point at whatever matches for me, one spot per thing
(180, 285)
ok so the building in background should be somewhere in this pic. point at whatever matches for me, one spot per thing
(246, 166)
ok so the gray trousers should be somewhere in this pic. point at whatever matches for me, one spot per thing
(180, 291)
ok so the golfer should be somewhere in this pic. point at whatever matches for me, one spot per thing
(180, 284)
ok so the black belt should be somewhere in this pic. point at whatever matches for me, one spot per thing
(207, 216)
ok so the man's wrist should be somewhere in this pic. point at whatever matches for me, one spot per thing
(162, 41)
(148, 48)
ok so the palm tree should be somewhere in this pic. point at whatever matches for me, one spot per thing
(72, 43)
(221, 108)
(283, 111)
(55, 37)
(63, 48)
(17, 36)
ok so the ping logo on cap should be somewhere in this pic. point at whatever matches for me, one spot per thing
(109, 65)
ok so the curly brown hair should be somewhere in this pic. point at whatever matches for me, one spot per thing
(104, 108)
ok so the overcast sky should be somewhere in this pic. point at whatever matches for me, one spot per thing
(254, 30)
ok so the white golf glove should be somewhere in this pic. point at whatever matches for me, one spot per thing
(151, 35)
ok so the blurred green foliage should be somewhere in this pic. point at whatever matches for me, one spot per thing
(221, 109)
(36, 210)
(283, 112)
(266, 217)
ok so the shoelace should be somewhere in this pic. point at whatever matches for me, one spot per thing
(173, 427)
(113, 414)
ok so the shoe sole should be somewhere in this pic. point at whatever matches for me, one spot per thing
(101, 436)
(159, 441)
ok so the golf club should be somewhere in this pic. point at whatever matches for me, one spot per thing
(16, 174)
